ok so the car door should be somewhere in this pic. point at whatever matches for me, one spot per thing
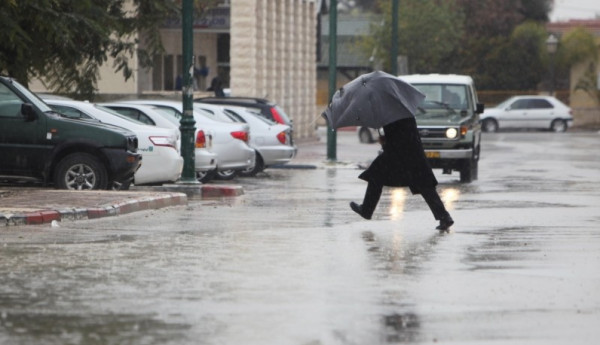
(23, 143)
(515, 116)
(540, 113)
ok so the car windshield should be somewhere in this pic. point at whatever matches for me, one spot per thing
(169, 114)
(32, 97)
(443, 100)
(119, 115)
(506, 103)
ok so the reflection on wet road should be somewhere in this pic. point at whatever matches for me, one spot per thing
(289, 263)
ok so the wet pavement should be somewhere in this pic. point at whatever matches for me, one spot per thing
(289, 263)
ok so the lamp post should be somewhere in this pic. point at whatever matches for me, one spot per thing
(551, 46)
(187, 128)
(394, 43)
(331, 133)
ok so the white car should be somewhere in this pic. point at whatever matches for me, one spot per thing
(229, 140)
(205, 161)
(367, 135)
(161, 161)
(528, 112)
(271, 140)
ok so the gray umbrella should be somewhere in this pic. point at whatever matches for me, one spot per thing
(372, 100)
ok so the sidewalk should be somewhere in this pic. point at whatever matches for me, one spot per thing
(27, 205)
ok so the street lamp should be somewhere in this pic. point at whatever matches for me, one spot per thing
(552, 46)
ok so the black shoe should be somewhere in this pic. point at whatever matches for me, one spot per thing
(445, 224)
(358, 209)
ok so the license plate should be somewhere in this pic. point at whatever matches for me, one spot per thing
(432, 154)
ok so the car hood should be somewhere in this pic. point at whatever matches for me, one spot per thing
(90, 122)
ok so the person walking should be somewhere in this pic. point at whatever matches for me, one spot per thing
(402, 164)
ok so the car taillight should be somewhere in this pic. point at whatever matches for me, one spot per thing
(163, 141)
(276, 116)
(282, 137)
(241, 135)
(200, 140)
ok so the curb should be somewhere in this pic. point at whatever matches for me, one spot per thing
(72, 214)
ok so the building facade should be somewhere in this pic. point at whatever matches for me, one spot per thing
(259, 48)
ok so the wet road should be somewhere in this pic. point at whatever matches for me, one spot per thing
(289, 263)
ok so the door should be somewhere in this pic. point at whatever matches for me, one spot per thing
(515, 116)
(23, 146)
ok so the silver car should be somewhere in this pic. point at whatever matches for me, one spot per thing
(272, 141)
(534, 112)
(205, 161)
(230, 141)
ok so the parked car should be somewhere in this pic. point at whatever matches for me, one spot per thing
(205, 161)
(229, 140)
(39, 144)
(448, 122)
(272, 141)
(367, 135)
(265, 107)
(162, 162)
(528, 112)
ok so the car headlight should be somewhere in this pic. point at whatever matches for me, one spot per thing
(451, 133)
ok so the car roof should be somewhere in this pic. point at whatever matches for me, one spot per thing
(436, 78)
(230, 100)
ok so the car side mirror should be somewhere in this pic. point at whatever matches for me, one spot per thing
(28, 112)
(480, 108)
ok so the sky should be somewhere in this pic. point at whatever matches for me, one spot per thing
(575, 9)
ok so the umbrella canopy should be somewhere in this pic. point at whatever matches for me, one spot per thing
(373, 100)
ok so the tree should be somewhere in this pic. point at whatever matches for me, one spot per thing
(578, 46)
(429, 31)
(64, 42)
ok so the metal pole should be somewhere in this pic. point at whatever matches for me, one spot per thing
(187, 128)
(331, 133)
(394, 43)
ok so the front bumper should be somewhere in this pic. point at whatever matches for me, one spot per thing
(122, 164)
(449, 154)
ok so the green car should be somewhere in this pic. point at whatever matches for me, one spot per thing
(37, 143)
(448, 122)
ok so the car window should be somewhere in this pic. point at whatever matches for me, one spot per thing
(70, 112)
(170, 115)
(117, 114)
(10, 103)
(234, 116)
(540, 104)
(443, 99)
(134, 114)
(520, 104)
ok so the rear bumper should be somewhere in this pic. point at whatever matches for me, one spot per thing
(160, 168)
(273, 155)
(205, 160)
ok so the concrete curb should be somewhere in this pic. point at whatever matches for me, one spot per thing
(72, 214)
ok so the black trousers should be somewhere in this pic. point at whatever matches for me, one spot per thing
(373, 193)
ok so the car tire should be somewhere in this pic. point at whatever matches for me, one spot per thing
(252, 171)
(365, 136)
(229, 174)
(470, 170)
(80, 171)
(558, 126)
(490, 125)
(205, 176)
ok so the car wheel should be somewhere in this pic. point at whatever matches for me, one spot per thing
(80, 171)
(205, 176)
(365, 136)
(227, 174)
(490, 125)
(470, 170)
(558, 126)
(252, 171)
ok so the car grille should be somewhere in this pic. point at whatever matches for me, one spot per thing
(433, 133)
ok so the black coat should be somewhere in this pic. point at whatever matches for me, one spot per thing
(403, 162)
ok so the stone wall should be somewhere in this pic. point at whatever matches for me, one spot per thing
(273, 56)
